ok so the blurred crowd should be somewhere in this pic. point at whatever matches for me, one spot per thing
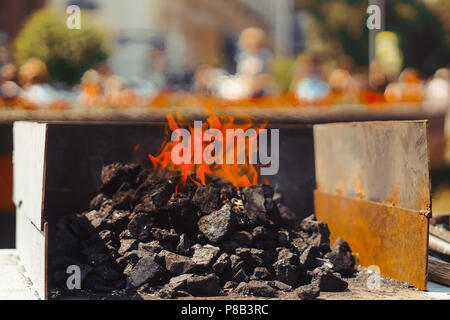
(316, 79)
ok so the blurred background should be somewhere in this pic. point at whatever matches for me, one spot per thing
(194, 53)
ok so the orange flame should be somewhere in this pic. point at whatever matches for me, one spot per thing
(240, 175)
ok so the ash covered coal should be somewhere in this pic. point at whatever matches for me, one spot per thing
(143, 234)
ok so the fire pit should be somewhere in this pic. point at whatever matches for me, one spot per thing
(167, 232)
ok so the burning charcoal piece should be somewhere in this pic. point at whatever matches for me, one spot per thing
(182, 214)
(204, 256)
(207, 198)
(341, 257)
(327, 280)
(227, 192)
(203, 286)
(177, 264)
(115, 174)
(97, 201)
(145, 271)
(308, 292)
(217, 225)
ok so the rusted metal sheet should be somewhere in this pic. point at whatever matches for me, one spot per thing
(392, 238)
(377, 161)
(373, 190)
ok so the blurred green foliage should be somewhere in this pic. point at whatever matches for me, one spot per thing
(68, 53)
(422, 37)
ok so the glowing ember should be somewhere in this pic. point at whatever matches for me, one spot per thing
(200, 146)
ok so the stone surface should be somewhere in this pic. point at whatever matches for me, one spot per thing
(145, 271)
(217, 225)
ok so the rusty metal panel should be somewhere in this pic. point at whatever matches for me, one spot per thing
(377, 161)
(392, 238)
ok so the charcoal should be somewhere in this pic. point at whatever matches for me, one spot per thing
(243, 253)
(221, 264)
(283, 238)
(208, 285)
(254, 204)
(145, 271)
(308, 292)
(267, 257)
(207, 198)
(217, 225)
(132, 257)
(230, 285)
(140, 225)
(143, 236)
(309, 256)
(97, 201)
(177, 264)
(127, 245)
(288, 255)
(115, 174)
(182, 215)
(165, 236)
(240, 276)
(265, 244)
(97, 220)
(236, 263)
(180, 282)
(123, 200)
(259, 289)
(341, 258)
(125, 234)
(242, 238)
(183, 244)
(327, 280)
(264, 234)
(280, 285)
(118, 220)
(227, 192)
(152, 246)
(287, 217)
(204, 256)
(238, 208)
(106, 235)
(260, 273)
(161, 193)
(287, 272)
